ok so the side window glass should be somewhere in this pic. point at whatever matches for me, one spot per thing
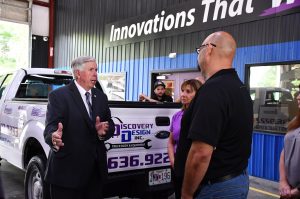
(39, 86)
(4, 81)
(33, 90)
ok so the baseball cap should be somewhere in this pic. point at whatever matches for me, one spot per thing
(159, 83)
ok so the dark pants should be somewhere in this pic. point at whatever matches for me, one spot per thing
(93, 190)
(177, 182)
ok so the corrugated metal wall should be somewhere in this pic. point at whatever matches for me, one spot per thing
(264, 160)
(79, 26)
(80, 31)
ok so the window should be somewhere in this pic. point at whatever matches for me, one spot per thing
(14, 46)
(273, 90)
(114, 85)
(4, 81)
(39, 86)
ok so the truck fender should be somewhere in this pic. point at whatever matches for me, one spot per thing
(33, 129)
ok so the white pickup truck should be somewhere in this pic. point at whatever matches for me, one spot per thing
(137, 153)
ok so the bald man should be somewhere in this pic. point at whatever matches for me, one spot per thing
(215, 139)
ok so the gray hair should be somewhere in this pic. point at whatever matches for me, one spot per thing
(78, 63)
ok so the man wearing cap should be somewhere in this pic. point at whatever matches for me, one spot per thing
(160, 94)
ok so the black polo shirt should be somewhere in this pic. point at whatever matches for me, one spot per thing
(164, 98)
(220, 115)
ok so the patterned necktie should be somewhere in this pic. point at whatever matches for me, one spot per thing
(87, 97)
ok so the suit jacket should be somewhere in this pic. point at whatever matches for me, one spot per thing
(74, 163)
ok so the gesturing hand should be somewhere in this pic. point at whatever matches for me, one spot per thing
(142, 97)
(56, 137)
(101, 127)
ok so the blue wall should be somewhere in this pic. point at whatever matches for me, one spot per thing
(138, 71)
(264, 160)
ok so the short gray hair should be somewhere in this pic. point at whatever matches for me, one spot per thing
(78, 63)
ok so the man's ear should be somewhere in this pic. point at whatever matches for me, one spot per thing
(209, 50)
(77, 74)
(208, 53)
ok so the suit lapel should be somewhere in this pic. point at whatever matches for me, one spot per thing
(94, 102)
(80, 104)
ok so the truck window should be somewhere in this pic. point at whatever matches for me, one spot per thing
(272, 87)
(39, 86)
(4, 81)
(278, 97)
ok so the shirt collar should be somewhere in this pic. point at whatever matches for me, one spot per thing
(223, 71)
(81, 90)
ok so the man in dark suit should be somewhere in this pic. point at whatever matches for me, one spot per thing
(78, 121)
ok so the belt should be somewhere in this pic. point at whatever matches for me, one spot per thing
(224, 178)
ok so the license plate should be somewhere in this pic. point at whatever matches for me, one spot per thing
(161, 176)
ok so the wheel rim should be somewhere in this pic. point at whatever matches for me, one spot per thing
(35, 185)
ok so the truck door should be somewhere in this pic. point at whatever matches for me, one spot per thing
(7, 130)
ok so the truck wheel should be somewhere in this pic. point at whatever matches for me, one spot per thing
(35, 186)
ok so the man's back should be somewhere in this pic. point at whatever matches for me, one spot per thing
(221, 126)
(224, 108)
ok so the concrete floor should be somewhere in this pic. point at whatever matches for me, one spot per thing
(12, 180)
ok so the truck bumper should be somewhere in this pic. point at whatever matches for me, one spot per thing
(135, 184)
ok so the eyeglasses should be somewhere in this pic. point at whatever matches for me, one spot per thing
(204, 45)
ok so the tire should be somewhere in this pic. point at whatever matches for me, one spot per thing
(35, 186)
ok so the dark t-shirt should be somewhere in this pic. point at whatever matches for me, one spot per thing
(220, 115)
(164, 98)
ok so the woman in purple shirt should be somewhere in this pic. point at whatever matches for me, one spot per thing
(188, 92)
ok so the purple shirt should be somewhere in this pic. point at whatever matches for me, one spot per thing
(176, 126)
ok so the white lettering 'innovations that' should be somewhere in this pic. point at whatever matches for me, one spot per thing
(159, 23)
(222, 7)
